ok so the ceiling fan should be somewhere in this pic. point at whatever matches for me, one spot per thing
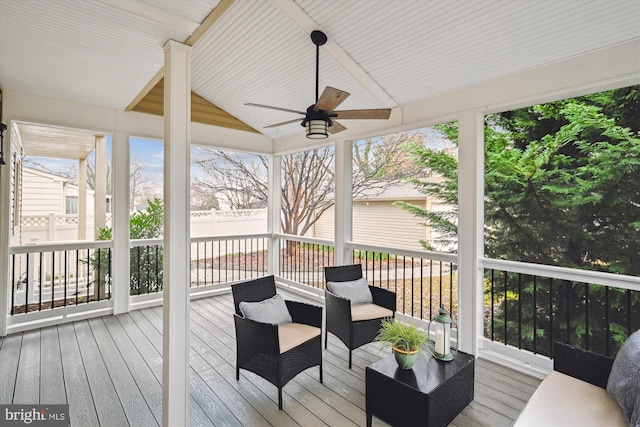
(319, 117)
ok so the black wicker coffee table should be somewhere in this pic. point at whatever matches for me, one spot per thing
(431, 394)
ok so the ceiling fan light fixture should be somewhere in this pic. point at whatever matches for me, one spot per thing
(317, 129)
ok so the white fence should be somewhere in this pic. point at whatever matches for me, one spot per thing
(62, 228)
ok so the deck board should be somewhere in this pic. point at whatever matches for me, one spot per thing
(134, 404)
(109, 369)
(108, 404)
(28, 379)
(51, 360)
(82, 410)
(10, 356)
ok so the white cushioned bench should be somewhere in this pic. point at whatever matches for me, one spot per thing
(574, 393)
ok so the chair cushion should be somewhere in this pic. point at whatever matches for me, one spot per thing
(272, 310)
(293, 334)
(368, 312)
(624, 380)
(564, 401)
(356, 291)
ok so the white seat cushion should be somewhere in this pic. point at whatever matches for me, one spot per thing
(564, 401)
(293, 334)
(368, 312)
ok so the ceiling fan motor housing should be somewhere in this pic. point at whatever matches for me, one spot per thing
(316, 115)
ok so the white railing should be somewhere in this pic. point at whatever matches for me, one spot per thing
(60, 272)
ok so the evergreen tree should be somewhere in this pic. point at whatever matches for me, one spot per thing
(562, 187)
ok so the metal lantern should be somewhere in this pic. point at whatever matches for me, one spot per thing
(442, 342)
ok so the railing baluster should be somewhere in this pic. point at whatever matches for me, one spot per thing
(586, 315)
(492, 305)
(66, 275)
(14, 284)
(139, 277)
(77, 273)
(88, 274)
(568, 325)
(551, 316)
(506, 301)
(53, 278)
(606, 321)
(519, 310)
(535, 314)
(40, 282)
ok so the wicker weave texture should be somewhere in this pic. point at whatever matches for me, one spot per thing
(257, 344)
(338, 317)
(582, 364)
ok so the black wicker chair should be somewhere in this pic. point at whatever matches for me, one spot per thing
(339, 317)
(258, 344)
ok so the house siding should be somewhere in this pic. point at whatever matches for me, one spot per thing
(378, 223)
(41, 195)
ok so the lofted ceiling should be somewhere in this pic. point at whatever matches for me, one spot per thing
(386, 53)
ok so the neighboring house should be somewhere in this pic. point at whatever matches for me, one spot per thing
(48, 208)
(45, 193)
(377, 221)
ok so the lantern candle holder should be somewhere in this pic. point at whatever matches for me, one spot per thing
(442, 341)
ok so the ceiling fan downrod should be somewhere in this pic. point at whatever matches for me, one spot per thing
(318, 38)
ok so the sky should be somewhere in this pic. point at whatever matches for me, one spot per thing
(142, 151)
(145, 151)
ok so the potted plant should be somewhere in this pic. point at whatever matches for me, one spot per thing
(407, 341)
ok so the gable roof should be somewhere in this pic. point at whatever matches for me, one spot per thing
(385, 53)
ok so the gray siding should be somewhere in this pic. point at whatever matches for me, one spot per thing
(378, 223)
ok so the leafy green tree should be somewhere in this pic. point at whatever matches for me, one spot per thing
(100, 264)
(439, 161)
(562, 187)
(145, 261)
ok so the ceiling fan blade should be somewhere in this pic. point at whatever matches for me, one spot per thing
(276, 108)
(330, 99)
(379, 113)
(336, 127)
(284, 123)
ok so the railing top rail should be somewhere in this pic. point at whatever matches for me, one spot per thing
(230, 237)
(66, 246)
(565, 273)
(437, 256)
(303, 239)
(146, 242)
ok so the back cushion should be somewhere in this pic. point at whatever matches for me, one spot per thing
(272, 310)
(624, 379)
(357, 291)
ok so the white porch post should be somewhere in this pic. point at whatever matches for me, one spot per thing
(5, 230)
(343, 208)
(274, 212)
(100, 184)
(82, 199)
(120, 224)
(470, 230)
(175, 328)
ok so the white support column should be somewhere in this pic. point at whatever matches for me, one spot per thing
(175, 328)
(100, 183)
(82, 199)
(274, 212)
(470, 229)
(5, 230)
(120, 224)
(343, 209)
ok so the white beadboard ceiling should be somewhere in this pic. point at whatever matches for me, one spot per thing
(384, 52)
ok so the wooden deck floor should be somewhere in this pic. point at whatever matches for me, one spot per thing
(109, 370)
